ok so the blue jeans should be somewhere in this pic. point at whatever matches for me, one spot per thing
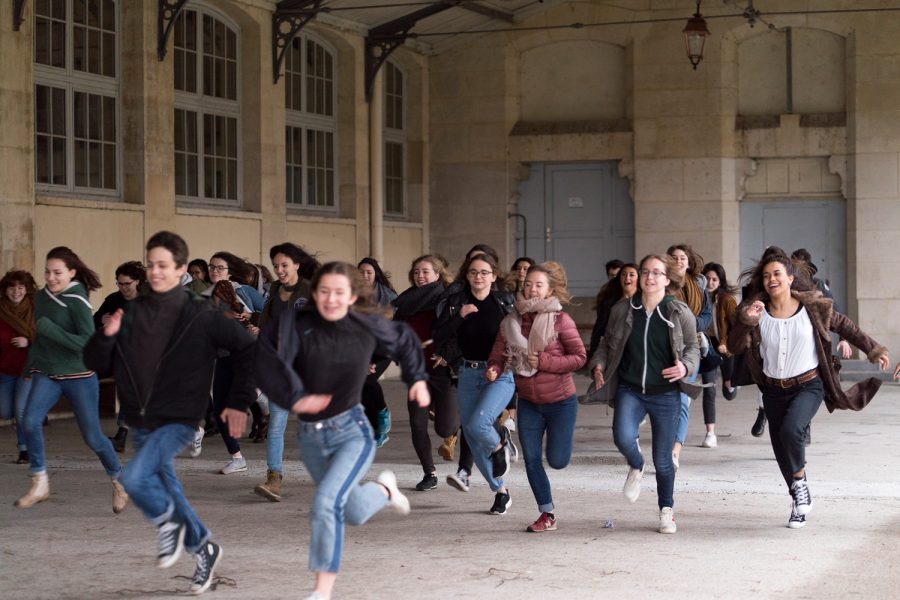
(684, 414)
(278, 420)
(558, 421)
(480, 403)
(13, 400)
(84, 397)
(631, 407)
(150, 480)
(338, 452)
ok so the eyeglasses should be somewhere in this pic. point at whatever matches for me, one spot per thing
(645, 273)
(473, 273)
(125, 283)
(218, 267)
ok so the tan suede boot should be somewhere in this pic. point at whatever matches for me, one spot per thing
(271, 489)
(120, 497)
(40, 491)
(447, 448)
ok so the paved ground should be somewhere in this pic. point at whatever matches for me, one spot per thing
(730, 504)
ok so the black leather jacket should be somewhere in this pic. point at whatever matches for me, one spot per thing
(443, 331)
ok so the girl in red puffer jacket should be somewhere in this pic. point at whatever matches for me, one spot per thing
(540, 344)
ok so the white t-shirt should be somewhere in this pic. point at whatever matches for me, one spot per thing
(788, 347)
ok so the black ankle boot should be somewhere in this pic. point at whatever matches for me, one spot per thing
(759, 427)
(23, 457)
(118, 440)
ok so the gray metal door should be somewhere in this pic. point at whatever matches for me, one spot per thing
(820, 226)
(580, 215)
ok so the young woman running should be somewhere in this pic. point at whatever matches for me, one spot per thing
(291, 291)
(467, 323)
(721, 294)
(417, 306)
(649, 350)
(17, 331)
(623, 285)
(56, 365)
(381, 294)
(693, 293)
(313, 362)
(785, 329)
(540, 344)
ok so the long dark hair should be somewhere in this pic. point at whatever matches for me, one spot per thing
(308, 263)
(612, 291)
(380, 276)
(724, 287)
(695, 261)
(223, 291)
(239, 270)
(83, 273)
(16, 277)
(490, 260)
(513, 283)
(754, 275)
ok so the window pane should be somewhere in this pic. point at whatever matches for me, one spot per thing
(58, 111)
(94, 51)
(109, 166)
(95, 164)
(179, 69)
(109, 54)
(41, 109)
(208, 76)
(231, 51)
(109, 119)
(207, 34)
(41, 41)
(109, 15)
(58, 45)
(180, 168)
(220, 137)
(93, 13)
(190, 72)
(58, 8)
(95, 114)
(81, 157)
(232, 139)
(209, 168)
(190, 30)
(208, 127)
(59, 161)
(179, 131)
(232, 80)
(42, 159)
(232, 180)
(79, 115)
(193, 176)
(191, 127)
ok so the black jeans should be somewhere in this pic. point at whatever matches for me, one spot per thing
(222, 380)
(446, 416)
(789, 412)
(709, 393)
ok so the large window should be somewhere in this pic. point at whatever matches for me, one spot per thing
(309, 99)
(207, 108)
(76, 91)
(394, 142)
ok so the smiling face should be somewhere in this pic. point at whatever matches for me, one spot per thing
(57, 275)
(480, 276)
(712, 281)
(776, 280)
(218, 270)
(424, 273)
(162, 273)
(333, 296)
(127, 286)
(537, 285)
(521, 270)
(368, 273)
(628, 276)
(653, 277)
(15, 293)
(286, 270)
(197, 273)
(681, 261)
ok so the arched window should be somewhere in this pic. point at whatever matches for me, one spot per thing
(309, 100)
(76, 96)
(394, 141)
(207, 108)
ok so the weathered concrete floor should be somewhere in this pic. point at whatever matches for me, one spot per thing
(731, 511)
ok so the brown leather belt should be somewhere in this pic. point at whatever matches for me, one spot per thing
(793, 381)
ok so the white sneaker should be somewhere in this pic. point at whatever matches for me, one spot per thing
(710, 441)
(632, 487)
(510, 423)
(197, 444)
(235, 465)
(667, 520)
(797, 520)
(396, 499)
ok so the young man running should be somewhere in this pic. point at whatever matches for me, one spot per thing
(162, 349)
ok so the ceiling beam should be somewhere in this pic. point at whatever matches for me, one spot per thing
(486, 11)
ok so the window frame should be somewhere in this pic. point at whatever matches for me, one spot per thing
(307, 121)
(202, 105)
(396, 136)
(76, 81)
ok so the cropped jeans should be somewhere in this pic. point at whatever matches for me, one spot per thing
(557, 420)
(83, 395)
(338, 452)
(278, 420)
(664, 409)
(13, 400)
(480, 403)
(789, 412)
(151, 482)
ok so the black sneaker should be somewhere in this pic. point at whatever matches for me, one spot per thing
(118, 440)
(797, 520)
(23, 458)
(729, 393)
(500, 461)
(208, 558)
(429, 482)
(506, 439)
(800, 494)
(171, 544)
(759, 427)
(502, 502)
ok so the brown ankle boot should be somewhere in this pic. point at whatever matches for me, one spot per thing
(446, 449)
(40, 491)
(119, 497)
(271, 489)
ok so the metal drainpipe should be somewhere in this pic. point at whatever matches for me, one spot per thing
(376, 170)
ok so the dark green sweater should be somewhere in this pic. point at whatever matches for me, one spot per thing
(648, 350)
(64, 325)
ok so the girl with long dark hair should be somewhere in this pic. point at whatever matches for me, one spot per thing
(623, 285)
(313, 362)
(721, 294)
(55, 363)
(17, 331)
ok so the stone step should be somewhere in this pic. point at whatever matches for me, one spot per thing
(857, 370)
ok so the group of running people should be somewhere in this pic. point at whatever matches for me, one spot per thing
(483, 355)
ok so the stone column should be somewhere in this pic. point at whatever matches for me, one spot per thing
(376, 169)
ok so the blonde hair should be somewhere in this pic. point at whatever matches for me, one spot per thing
(556, 277)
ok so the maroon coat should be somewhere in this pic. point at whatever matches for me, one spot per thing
(553, 382)
(745, 335)
(12, 359)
